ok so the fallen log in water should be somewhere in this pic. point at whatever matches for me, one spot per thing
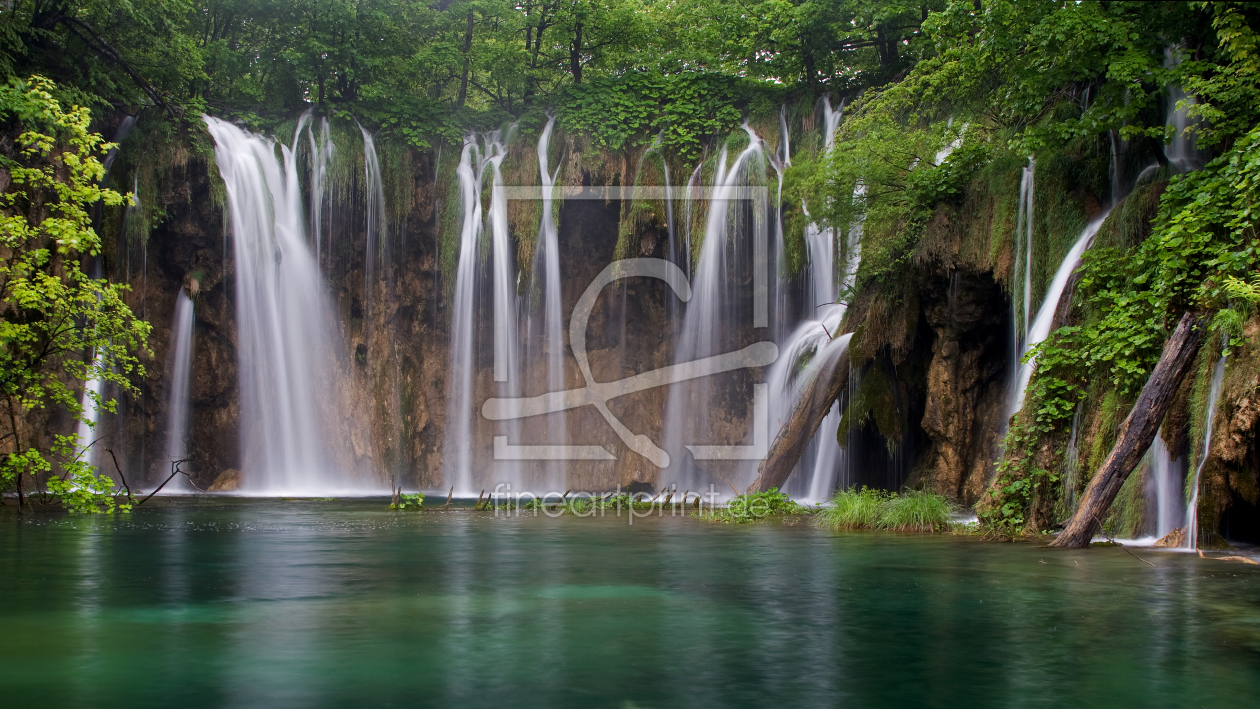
(1137, 432)
(820, 393)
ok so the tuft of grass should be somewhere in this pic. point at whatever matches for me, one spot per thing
(912, 511)
(915, 511)
(854, 509)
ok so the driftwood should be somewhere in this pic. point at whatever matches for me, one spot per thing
(789, 444)
(1137, 432)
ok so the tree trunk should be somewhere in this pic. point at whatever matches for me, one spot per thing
(463, 81)
(1137, 432)
(791, 440)
(575, 54)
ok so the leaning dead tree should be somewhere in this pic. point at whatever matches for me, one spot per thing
(1137, 432)
(830, 380)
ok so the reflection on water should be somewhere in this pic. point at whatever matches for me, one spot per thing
(307, 604)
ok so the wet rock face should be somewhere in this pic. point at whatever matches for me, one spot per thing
(966, 381)
(185, 250)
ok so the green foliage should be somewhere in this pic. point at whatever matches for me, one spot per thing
(757, 506)
(411, 502)
(58, 327)
(682, 108)
(911, 511)
(79, 488)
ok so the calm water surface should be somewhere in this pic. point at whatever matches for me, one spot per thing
(244, 603)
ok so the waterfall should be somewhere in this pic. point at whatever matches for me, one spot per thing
(813, 342)
(1039, 330)
(1182, 151)
(469, 282)
(1192, 509)
(177, 401)
(91, 416)
(1170, 480)
(459, 421)
(322, 150)
(1024, 230)
(124, 129)
(547, 271)
(377, 230)
(292, 425)
(713, 312)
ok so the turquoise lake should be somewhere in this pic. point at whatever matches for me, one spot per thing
(273, 603)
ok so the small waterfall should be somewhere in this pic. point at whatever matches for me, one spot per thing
(1170, 480)
(1039, 330)
(292, 425)
(91, 417)
(1024, 232)
(322, 150)
(547, 272)
(178, 408)
(469, 282)
(124, 129)
(459, 422)
(1021, 300)
(1182, 151)
(1192, 509)
(1072, 462)
(377, 230)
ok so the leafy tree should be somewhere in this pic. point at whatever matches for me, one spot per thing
(58, 326)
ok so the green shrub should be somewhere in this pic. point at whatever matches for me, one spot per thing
(756, 506)
(408, 502)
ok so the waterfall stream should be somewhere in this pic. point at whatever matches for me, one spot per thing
(1192, 508)
(292, 425)
(813, 342)
(321, 154)
(178, 398)
(470, 283)
(1169, 477)
(714, 312)
(377, 229)
(1039, 330)
(544, 301)
(1022, 307)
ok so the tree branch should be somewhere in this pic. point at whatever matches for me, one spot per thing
(98, 44)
